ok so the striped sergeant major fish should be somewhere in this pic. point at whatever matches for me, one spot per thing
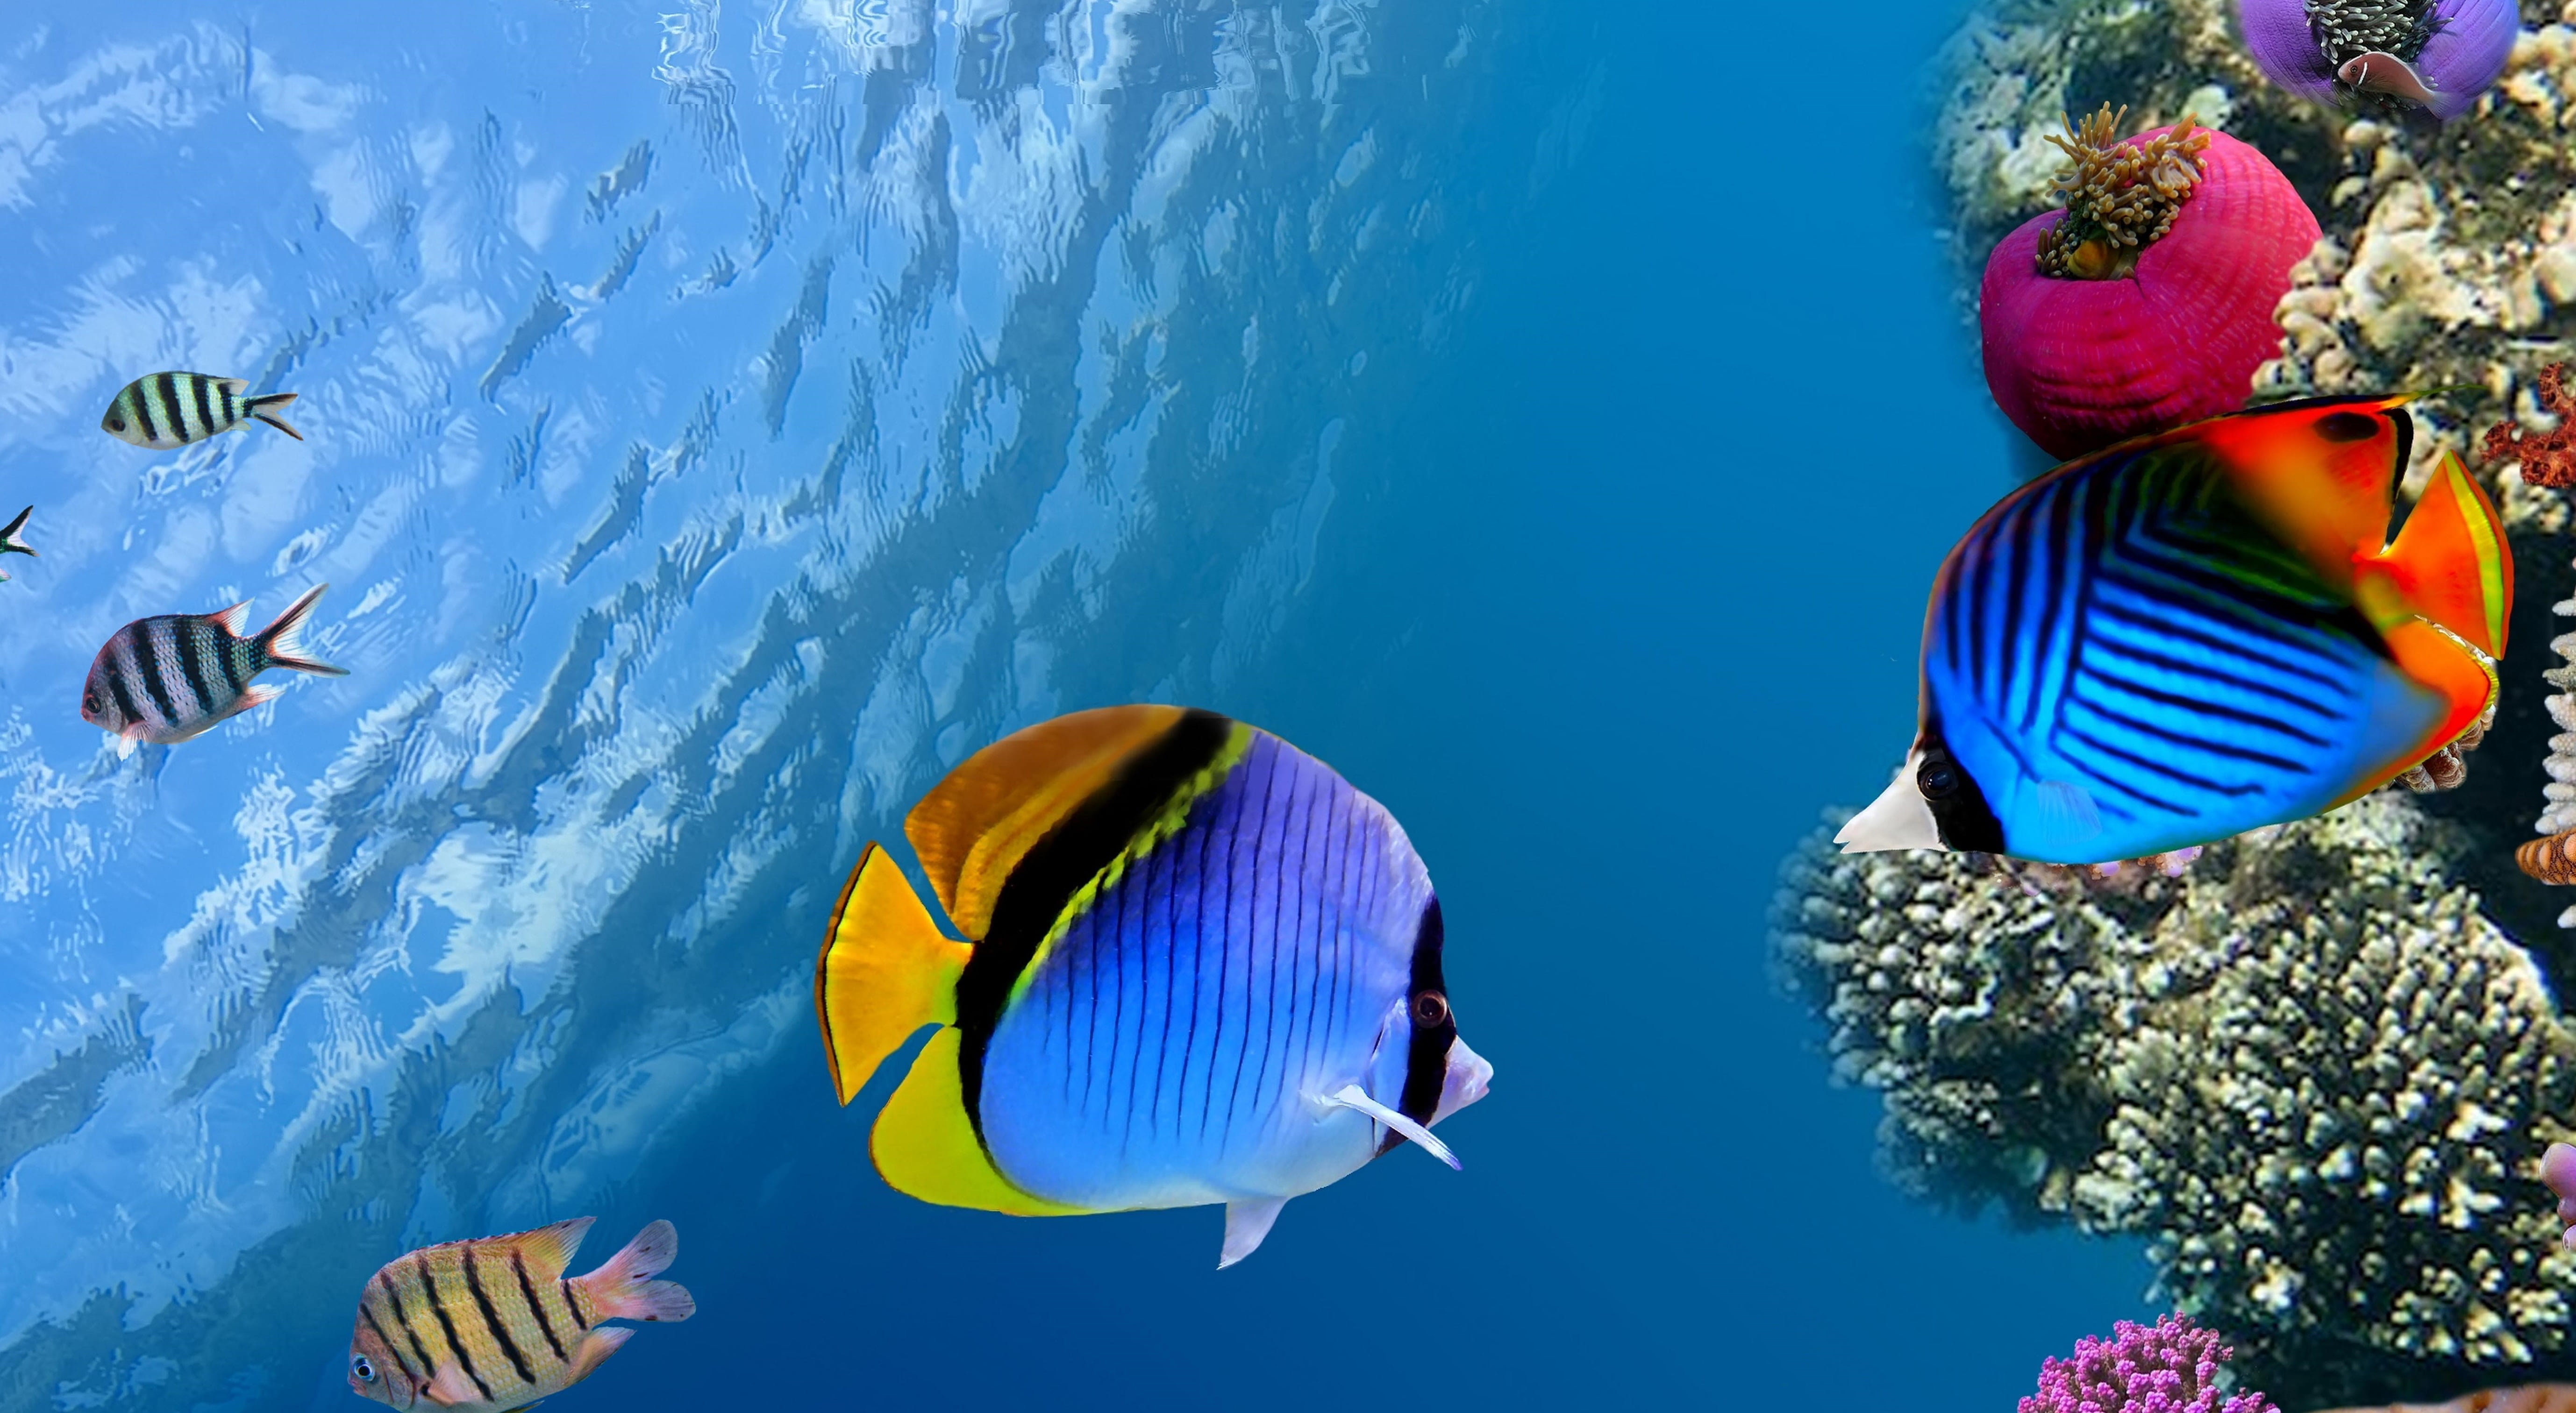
(491, 1324)
(2194, 634)
(1201, 968)
(165, 410)
(165, 679)
(9, 541)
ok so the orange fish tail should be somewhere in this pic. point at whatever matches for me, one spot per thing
(2436, 660)
(622, 1288)
(2450, 563)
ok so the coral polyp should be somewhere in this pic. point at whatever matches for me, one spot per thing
(2119, 196)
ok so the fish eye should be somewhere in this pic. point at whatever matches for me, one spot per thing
(363, 1369)
(1937, 779)
(1430, 1010)
(115, 423)
(2347, 427)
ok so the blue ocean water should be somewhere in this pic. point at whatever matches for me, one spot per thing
(722, 419)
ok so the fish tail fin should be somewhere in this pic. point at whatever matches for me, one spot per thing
(885, 971)
(623, 1287)
(9, 541)
(282, 642)
(2450, 563)
(2438, 660)
(261, 408)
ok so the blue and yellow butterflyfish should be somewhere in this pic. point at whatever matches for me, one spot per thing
(2189, 635)
(1197, 967)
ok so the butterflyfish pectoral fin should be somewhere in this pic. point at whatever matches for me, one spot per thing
(885, 971)
(926, 1147)
(1246, 1223)
(1351, 1096)
(977, 824)
(2450, 562)
(2067, 811)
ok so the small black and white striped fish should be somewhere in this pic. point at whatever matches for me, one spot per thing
(169, 678)
(165, 410)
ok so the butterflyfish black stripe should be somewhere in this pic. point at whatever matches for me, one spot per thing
(2199, 706)
(573, 1305)
(368, 1314)
(536, 1307)
(2157, 767)
(438, 1307)
(2016, 578)
(147, 665)
(2115, 611)
(428, 1366)
(2212, 669)
(2141, 726)
(205, 411)
(492, 1320)
(167, 384)
(1066, 857)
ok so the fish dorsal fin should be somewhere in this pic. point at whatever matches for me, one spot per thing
(982, 819)
(1351, 1096)
(550, 1248)
(885, 972)
(2450, 562)
(925, 1147)
(2320, 473)
(1247, 1221)
(234, 386)
(232, 620)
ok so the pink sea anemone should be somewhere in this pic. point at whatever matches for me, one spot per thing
(2147, 302)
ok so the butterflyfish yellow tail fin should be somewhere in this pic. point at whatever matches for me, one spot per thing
(885, 971)
(2450, 563)
(925, 1146)
(2439, 660)
(976, 825)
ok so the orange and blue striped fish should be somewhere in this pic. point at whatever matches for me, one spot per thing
(2194, 634)
(1201, 969)
(492, 1324)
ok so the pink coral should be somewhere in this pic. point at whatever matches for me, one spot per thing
(2169, 1367)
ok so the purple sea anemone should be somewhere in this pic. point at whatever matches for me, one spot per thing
(2382, 56)
(2170, 1367)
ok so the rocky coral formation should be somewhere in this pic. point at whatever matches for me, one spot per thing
(2310, 1070)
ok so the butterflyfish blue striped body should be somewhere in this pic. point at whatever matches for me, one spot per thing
(2189, 635)
(1198, 967)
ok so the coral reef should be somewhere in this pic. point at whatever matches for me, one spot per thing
(2310, 1070)
(2168, 1367)
(2548, 458)
(2527, 1398)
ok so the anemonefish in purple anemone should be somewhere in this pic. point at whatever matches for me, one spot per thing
(1198, 968)
(2189, 635)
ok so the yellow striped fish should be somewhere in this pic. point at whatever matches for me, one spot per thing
(491, 1324)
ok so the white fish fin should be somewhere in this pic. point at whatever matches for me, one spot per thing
(1246, 1223)
(124, 744)
(1351, 1096)
(2067, 810)
(232, 620)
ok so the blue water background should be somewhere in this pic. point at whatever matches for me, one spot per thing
(1551, 417)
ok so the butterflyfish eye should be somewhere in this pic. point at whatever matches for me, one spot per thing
(2347, 427)
(1430, 1010)
(1937, 779)
(363, 1369)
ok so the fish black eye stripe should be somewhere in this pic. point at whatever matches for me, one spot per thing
(1426, 1060)
(438, 1307)
(492, 1320)
(1064, 859)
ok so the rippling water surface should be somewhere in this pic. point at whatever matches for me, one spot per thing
(721, 420)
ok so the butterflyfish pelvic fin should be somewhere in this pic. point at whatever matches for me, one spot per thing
(977, 824)
(1246, 1223)
(2068, 810)
(925, 1146)
(2450, 562)
(1351, 1096)
(885, 971)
